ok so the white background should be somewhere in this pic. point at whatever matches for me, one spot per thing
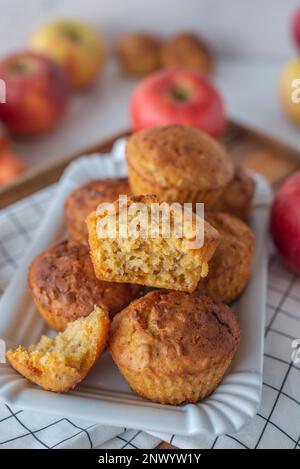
(251, 40)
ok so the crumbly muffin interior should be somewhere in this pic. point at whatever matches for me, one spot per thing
(71, 348)
(166, 259)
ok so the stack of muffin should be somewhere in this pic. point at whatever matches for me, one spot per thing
(172, 345)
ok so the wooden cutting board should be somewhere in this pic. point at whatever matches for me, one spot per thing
(249, 148)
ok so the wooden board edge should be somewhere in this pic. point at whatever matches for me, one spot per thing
(39, 177)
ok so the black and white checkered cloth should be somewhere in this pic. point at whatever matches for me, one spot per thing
(277, 424)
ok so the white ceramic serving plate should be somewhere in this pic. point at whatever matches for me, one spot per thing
(104, 396)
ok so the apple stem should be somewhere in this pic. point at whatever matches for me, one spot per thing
(18, 67)
(179, 93)
(72, 35)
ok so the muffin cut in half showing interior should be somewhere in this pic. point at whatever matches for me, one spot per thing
(229, 269)
(174, 347)
(64, 286)
(60, 363)
(155, 258)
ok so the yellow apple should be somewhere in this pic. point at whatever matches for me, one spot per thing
(74, 46)
(290, 90)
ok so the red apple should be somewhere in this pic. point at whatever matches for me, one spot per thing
(285, 222)
(37, 93)
(177, 96)
(296, 26)
(10, 164)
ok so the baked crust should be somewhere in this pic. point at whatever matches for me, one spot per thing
(187, 51)
(178, 164)
(83, 200)
(162, 262)
(229, 269)
(64, 286)
(139, 54)
(174, 347)
(238, 195)
(58, 364)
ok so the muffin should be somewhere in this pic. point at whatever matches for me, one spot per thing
(59, 363)
(86, 198)
(139, 54)
(186, 51)
(174, 347)
(238, 195)
(178, 164)
(229, 269)
(163, 259)
(64, 286)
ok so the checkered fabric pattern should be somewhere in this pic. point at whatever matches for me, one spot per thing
(277, 424)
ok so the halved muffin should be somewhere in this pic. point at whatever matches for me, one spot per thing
(174, 347)
(158, 258)
(60, 363)
(229, 269)
(178, 164)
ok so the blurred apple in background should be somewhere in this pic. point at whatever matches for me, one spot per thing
(296, 26)
(177, 96)
(10, 165)
(74, 46)
(37, 93)
(285, 222)
(289, 89)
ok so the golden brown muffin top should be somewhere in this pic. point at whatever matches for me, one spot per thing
(138, 44)
(237, 197)
(173, 333)
(83, 200)
(62, 279)
(186, 50)
(180, 156)
(139, 53)
(242, 177)
(236, 242)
